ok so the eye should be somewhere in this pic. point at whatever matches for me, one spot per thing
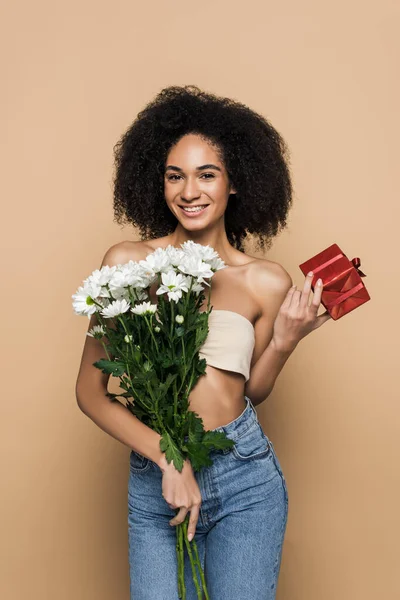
(211, 174)
(171, 177)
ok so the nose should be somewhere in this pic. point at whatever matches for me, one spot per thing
(190, 190)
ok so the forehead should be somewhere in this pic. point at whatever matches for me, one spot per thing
(193, 150)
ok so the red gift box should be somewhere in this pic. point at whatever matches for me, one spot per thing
(343, 289)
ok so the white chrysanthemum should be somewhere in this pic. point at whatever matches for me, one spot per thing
(156, 262)
(191, 248)
(129, 274)
(216, 264)
(179, 319)
(208, 253)
(101, 276)
(157, 329)
(175, 255)
(140, 294)
(115, 308)
(128, 338)
(146, 308)
(173, 284)
(83, 299)
(97, 331)
(130, 279)
(197, 288)
(205, 253)
(197, 268)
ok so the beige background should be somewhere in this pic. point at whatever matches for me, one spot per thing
(74, 76)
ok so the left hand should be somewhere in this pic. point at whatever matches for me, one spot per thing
(296, 318)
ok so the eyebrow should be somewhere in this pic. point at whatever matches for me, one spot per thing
(202, 168)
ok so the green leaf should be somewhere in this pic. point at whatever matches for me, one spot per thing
(198, 455)
(217, 440)
(201, 365)
(140, 413)
(172, 452)
(167, 383)
(115, 396)
(194, 427)
(117, 369)
(167, 362)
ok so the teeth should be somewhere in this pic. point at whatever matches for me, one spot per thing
(197, 209)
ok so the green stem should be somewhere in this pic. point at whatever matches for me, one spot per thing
(105, 350)
(193, 561)
(129, 337)
(155, 408)
(203, 580)
(172, 317)
(209, 297)
(175, 403)
(181, 564)
(149, 325)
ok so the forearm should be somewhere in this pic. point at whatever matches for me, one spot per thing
(265, 371)
(117, 420)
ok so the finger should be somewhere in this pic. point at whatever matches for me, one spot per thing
(194, 515)
(288, 297)
(305, 294)
(295, 299)
(179, 517)
(316, 301)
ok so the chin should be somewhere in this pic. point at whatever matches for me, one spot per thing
(194, 226)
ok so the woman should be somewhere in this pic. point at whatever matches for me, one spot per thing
(200, 167)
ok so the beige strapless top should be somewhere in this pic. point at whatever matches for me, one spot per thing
(230, 342)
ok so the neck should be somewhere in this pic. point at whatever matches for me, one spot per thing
(216, 238)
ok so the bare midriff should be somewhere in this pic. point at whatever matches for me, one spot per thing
(218, 397)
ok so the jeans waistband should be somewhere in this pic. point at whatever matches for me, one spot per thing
(238, 426)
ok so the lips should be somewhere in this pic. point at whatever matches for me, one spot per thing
(193, 213)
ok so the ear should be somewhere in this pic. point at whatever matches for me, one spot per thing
(232, 190)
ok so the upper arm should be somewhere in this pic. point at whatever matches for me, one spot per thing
(89, 377)
(271, 284)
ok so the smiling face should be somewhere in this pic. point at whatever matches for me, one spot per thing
(196, 179)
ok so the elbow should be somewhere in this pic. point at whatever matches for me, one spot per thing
(257, 398)
(80, 403)
(81, 400)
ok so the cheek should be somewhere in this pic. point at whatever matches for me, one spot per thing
(170, 191)
(168, 195)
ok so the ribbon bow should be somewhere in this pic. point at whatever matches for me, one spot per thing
(356, 263)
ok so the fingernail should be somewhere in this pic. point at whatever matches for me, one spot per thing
(310, 273)
(190, 537)
(319, 281)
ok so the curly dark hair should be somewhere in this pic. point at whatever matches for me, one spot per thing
(254, 154)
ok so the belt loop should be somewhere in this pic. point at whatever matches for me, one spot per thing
(252, 407)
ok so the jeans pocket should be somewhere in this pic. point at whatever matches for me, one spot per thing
(138, 462)
(252, 445)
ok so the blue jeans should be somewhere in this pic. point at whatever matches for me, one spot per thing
(241, 526)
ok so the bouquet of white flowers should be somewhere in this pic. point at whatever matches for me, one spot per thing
(154, 350)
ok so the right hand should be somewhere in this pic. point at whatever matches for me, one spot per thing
(181, 490)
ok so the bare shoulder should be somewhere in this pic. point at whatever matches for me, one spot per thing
(270, 282)
(122, 252)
